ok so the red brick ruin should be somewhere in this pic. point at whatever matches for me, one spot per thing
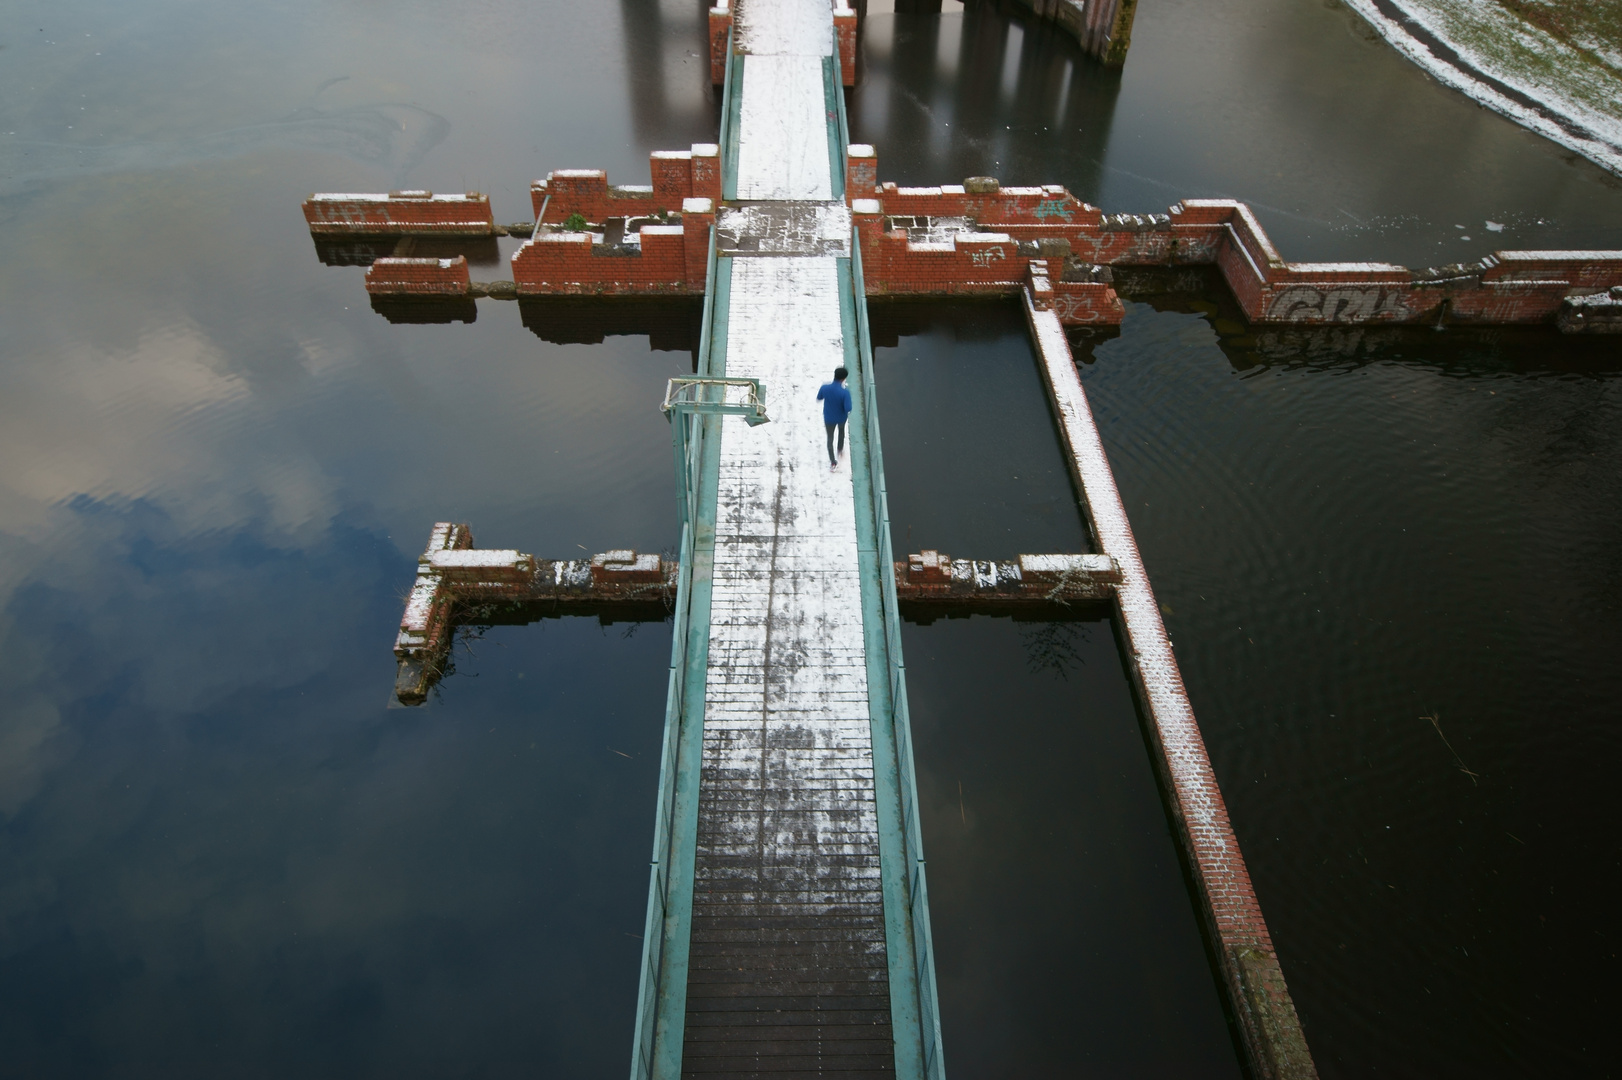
(977, 238)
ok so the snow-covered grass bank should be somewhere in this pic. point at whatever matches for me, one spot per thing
(1554, 66)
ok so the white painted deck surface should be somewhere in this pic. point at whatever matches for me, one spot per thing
(783, 129)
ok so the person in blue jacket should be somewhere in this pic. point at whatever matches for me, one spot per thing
(835, 398)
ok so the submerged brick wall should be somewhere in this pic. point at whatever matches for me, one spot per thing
(399, 213)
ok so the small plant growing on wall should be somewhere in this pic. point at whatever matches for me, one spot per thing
(575, 222)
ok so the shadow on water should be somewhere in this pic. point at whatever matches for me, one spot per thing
(670, 325)
(941, 97)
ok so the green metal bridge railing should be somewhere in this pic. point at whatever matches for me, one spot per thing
(912, 829)
(690, 430)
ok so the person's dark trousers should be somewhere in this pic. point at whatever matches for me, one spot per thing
(833, 458)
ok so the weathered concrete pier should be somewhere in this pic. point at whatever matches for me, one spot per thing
(788, 918)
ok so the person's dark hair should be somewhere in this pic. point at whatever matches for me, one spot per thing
(840, 374)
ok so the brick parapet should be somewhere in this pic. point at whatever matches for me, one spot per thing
(399, 213)
(720, 31)
(572, 264)
(932, 580)
(861, 172)
(1086, 303)
(986, 264)
(697, 222)
(677, 175)
(845, 39)
(457, 581)
(418, 277)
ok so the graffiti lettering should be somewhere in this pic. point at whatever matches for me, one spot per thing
(1075, 309)
(1340, 304)
(987, 256)
(1053, 208)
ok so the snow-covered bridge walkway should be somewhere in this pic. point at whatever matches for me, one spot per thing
(791, 949)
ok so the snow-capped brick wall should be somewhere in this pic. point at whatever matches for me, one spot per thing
(720, 28)
(399, 213)
(1245, 953)
(969, 238)
(677, 175)
(626, 567)
(418, 277)
(571, 264)
(845, 36)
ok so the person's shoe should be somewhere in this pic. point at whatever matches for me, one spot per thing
(833, 466)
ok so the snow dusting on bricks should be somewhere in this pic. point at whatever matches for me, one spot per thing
(677, 175)
(418, 277)
(400, 213)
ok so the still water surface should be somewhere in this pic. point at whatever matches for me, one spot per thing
(221, 854)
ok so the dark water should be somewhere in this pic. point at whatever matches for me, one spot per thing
(220, 854)
(1388, 560)
(1390, 565)
(1344, 149)
(1066, 941)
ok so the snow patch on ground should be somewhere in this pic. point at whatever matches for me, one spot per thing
(1574, 101)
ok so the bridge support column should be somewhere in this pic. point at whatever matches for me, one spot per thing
(1104, 27)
